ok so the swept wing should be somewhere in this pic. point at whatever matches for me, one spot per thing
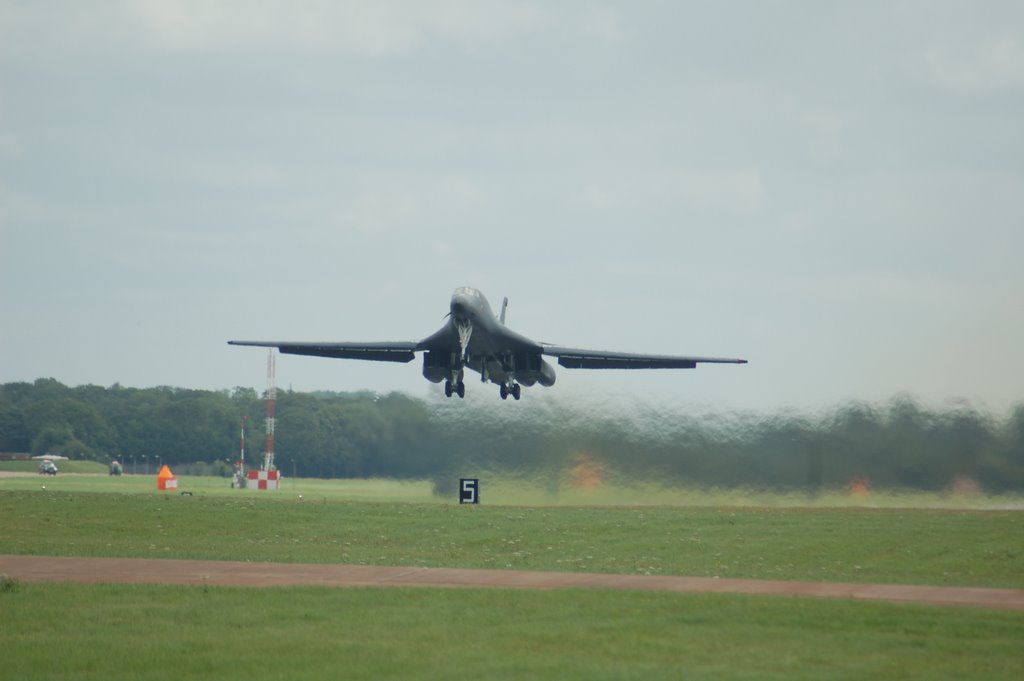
(577, 358)
(474, 338)
(402, 351)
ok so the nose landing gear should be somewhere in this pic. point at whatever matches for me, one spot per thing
(505, 390)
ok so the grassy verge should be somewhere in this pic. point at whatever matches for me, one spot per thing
(859, 545)
(336, 490)
(60, 631)
(505, 491)
(64, 467)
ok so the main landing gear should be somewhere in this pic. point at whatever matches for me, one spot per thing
(458, 388)
(505, 391)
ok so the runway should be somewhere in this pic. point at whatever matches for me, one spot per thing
(33, 569)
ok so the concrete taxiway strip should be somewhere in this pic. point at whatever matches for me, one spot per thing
(228, 573)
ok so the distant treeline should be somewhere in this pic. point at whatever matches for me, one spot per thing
(899, 444)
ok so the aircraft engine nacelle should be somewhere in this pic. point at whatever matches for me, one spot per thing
(530, 369)
(437, 366)
(547, 374)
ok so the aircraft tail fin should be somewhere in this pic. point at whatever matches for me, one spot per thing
(504, 306)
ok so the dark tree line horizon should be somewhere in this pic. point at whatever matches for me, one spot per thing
(898, 444)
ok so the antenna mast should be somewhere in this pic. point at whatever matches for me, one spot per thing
(241, 459)
(268, 455)
(239, 480)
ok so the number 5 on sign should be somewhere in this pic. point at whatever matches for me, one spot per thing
(469, 491)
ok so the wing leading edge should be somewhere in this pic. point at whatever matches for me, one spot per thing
(576, 358)
(377, 352)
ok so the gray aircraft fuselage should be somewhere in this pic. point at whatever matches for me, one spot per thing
(475, 338)
(485, 345)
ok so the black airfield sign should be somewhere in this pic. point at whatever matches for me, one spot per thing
(469, 491)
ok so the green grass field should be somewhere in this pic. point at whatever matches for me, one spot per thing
(88, 467)
(916, 546)
(504, 491)
(61, 631)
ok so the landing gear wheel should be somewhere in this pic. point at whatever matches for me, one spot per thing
(447, 388)
(515, 391)
(460, 389)
(503, 391)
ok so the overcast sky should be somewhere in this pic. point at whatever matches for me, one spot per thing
(834, 191)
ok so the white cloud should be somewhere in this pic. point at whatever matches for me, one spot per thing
(735, 191)
(994, 64)
(730, 191)
(604, 23)
(19, 211)
(396, 203)
(366, 28)
(248, 176)
(370, 29)
(10, 145)
(963, 47)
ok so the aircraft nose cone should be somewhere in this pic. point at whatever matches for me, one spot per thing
(458, 311)
(467, 303)
(459, 306)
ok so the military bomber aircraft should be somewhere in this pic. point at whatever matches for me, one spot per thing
(475, 338)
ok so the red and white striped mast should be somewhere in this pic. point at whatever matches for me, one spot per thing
(271, 399)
